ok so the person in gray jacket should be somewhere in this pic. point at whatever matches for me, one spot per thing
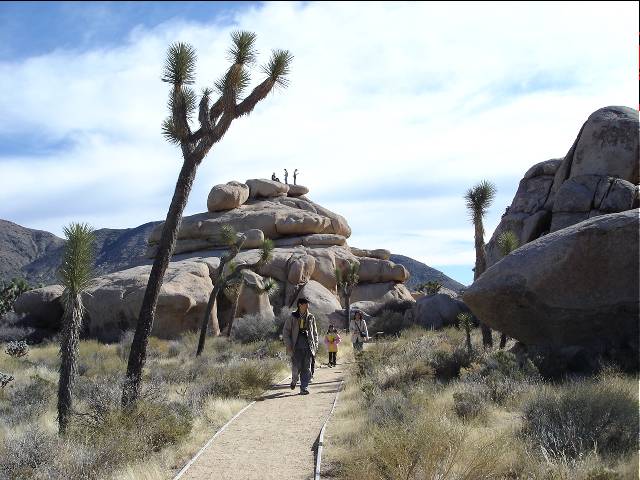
(300, 335)
(359, 331)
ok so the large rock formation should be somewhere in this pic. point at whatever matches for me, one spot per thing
(574, 283)
(574, 287)
(310, 243)
(598, 175)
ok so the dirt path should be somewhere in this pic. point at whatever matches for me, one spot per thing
(275, 438)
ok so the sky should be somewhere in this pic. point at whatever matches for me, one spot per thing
(393, 111)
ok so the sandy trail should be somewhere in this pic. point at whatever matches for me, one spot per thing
(275, 438)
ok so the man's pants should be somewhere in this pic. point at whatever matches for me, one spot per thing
(301, 365)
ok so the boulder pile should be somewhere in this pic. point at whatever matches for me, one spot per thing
(310, 243)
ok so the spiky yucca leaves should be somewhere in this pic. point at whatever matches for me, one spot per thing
(75, 274)
(478, 199)
(431, 287)
(228, 236)
(180, 64)
(179, 71)
(464, 319)
(278, 67)
(508, 242)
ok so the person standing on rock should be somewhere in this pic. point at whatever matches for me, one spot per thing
(286, 177)
(300, 335)
(295, 176)
(359, 332)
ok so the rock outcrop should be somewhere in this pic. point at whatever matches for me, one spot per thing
(43, 303)
(310, 244)
(599, 175)
(574, 287)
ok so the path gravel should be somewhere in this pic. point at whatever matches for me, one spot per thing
(275, 438)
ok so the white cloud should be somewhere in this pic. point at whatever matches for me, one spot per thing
(381, 95)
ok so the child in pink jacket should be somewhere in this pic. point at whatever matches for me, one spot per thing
(332, 339)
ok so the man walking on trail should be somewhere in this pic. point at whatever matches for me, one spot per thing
(300, 336)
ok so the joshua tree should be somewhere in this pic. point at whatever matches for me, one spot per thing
(229, 273)
(508, 242)
(431, 287)
(75, 273)
(478, 200)
(346, 281)
(214, 121)
(465, 320)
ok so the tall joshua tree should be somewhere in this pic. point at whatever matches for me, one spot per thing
(507, 242)
(478, 199)
(214, 121)
(346, 281)
(228, 274)
(75, 274)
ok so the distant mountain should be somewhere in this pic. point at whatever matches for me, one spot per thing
(35, 255)
(421, 273)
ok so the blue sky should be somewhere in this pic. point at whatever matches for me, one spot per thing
(394, 109)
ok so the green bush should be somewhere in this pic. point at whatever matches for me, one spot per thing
(583, 417)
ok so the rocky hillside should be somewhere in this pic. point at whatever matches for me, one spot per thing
(421, 273)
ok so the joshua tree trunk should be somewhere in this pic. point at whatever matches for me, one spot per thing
(166, 247)
(347, 301)
(481, 266)
(467, 329)
(234, 312)
(72, 322)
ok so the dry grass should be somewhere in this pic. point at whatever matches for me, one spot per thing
(400, 419)
(185, 400)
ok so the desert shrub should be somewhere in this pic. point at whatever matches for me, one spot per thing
(28, 401)
(252, 328)
(582, 417)
(389, 407)
(241, 378)
(35, 453)
(469, 403)
(501, 376)
(17, 349)
(24, 452)
(120, 436)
